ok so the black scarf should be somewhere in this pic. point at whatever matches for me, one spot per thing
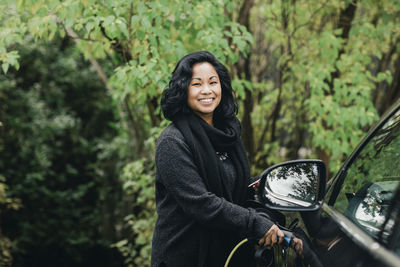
(204, 141)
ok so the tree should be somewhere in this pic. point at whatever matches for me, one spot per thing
(6, 202)
(314, 67)
(56, 114)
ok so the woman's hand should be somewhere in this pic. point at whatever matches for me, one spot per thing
(297, 245)
(271, 237)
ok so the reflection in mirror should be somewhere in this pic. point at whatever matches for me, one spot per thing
(293, 183)
(370, 205)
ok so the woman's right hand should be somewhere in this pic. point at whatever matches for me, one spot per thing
(271, 237)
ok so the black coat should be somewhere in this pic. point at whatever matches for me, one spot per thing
(187, 210)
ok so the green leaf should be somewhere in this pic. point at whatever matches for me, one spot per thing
(108, 20)
(141, 8)
(381, 76)
(134, 20)
(146, 23)
(122, 27)
(89, 26)
(140, 34)
(5, 66)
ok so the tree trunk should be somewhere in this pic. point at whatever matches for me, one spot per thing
(345, 20)
(380, 92)
(394, 90)
(243, 71)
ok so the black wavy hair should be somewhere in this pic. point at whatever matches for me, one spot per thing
(174, 98)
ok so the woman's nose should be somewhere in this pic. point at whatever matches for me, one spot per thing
(206, 89)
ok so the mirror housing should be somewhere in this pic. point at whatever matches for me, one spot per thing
(297, 185)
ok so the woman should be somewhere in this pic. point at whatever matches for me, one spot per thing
(202, 171)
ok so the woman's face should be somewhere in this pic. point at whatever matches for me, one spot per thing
(204, 92)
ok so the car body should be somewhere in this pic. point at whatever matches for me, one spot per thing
(354, 219)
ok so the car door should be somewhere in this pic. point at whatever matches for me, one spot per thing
(362, 208)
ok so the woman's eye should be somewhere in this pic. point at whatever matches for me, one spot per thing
(195, 84)
(213, 82)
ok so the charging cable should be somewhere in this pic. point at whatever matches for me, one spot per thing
(287, 239)
(234, 250)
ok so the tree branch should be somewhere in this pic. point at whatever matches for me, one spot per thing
(93, 61)
(296, 28)
(104, 78)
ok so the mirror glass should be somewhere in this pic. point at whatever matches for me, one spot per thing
(294, 184)
(370, 205)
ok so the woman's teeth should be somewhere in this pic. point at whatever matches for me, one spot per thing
(207, 100)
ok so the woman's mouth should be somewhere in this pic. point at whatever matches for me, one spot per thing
(206, 100)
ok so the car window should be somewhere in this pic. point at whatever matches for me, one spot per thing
(372, 180)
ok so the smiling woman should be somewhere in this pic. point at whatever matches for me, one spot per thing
(204, 94)
(186, 76)
(202, 172)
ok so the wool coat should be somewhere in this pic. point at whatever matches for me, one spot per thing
(187, 210)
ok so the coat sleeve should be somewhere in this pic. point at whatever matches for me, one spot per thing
(178, 173)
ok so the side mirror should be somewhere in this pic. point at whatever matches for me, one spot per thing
(297, 185)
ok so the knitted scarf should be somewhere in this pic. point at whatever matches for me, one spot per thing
(204, 141)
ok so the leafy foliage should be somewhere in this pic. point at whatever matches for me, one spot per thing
(136, 248)
(316, 76)
(52, 113)
(5, 243)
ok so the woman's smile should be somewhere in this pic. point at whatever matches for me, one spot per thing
(206, 100)
(204, 92)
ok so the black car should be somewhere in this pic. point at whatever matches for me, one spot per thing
(354, 219)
